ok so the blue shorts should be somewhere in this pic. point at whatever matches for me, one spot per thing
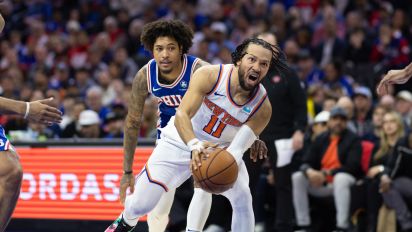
(4, 141)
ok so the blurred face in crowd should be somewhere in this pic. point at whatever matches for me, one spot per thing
(328, 104)
(253, 66)
(331, 74)
(319, 127)
(347, 105)
(377, 117)
(94, 100)
(362, 102)
(402, 106)
(391, 124)
(337, 124)
(167, 53)
(90, 131)
(385, 34)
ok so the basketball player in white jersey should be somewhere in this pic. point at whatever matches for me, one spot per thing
(167, 77)
(228, 107)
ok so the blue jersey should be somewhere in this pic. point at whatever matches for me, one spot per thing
(4, 142)
(169, 96)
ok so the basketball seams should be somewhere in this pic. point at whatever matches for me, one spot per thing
(211, 161)
(209, 177)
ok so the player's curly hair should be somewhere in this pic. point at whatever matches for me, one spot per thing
(176, 29)
(278, 57)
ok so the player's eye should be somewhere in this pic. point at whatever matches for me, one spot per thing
(251, 59)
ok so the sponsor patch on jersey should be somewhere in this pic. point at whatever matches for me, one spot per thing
(183, 84)
(246, 109)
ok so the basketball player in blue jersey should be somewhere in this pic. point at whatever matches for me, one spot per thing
(10, 169)
(240, 105)
(167, 77)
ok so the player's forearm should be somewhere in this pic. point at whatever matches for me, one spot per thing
(12, 106)
(2, 23)
(184, 126)
(131, 132)
(408, 70)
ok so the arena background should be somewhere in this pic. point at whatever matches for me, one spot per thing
(85, 54)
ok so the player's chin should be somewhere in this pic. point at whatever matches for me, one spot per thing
(165, 70)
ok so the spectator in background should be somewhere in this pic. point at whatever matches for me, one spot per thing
(392, 131)
(113, 125)
(387, 101)
(358, 49)
(289, 122)
(347, 105)
(95, 63)
(71, 130)
(83, 81)
(127, 67)
(335, 80)
(94, 101)
(108, 93)
(330, 167)
(377, 122)
(403, 105)
(362, 99)
(390, 49)
(309, 74)
(396, 182)
(89, 125)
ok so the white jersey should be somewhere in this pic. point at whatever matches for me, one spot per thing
(219, 117)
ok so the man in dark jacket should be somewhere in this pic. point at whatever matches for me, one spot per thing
(288, 121)
(330, 167)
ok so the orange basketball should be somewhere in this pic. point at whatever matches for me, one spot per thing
(218, 172)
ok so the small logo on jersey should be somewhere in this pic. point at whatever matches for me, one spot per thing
(156, 89)
(219, 94)
(276, 79)
(247, 109)
(183, 84)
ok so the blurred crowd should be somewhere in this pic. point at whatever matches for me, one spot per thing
(85, 53)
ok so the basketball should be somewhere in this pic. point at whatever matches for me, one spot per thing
(218, 172)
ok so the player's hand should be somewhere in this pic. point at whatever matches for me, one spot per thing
(127, 181)
(297, 140)
(201, 153)
(258, 149)
(40, 111)
(392, 77)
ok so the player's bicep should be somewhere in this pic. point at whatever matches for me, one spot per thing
(200, 84)
(261, 118)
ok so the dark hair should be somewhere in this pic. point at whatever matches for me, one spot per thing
(278, 58)
(176, 29)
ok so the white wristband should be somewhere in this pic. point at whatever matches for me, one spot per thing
(194, 144)
(27, 110)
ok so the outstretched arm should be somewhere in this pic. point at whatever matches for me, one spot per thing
(38, 111)
(394, 77)
(131, 129)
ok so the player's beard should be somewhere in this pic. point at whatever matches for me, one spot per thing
(242, 83)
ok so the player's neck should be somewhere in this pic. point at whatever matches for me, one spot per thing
(173, 75)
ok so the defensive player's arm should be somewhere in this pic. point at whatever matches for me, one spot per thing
(202, 82)
(248, 132)
(134, 117)
(9, 106)
(2, 23)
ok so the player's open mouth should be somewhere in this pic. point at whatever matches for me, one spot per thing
(253, 76)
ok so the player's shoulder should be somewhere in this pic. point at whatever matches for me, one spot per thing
(211, 69)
